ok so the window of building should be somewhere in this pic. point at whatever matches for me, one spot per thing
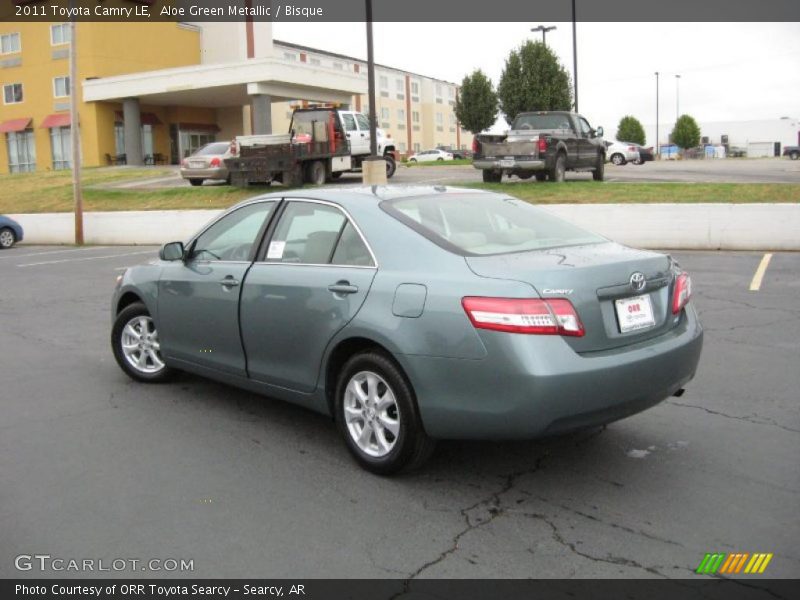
(21, 151)
(400, 85)
(60, 144)
(10, 42)
(384, 81)
(451, 92)
(439, 118)
(60, 87)
(290, 56)
(438, 90)
(12, 93)
(415, 91)
(338, 66)
(385, 114)
(315, 61)
(60, 34)
(401, 115)
(147, 139)
(416, 147)
(402, 147)
(415, 116)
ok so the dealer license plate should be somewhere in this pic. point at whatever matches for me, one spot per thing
(634, 313)
(197, 164)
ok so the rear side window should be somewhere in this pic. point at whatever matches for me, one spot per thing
(215, 148)
(351, 249)
(483, 224)
(549, 121)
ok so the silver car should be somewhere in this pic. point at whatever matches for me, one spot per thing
(207, 163)
(410, 314)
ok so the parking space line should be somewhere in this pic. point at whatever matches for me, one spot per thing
(758, 277)
(54, 252)
(53, 262)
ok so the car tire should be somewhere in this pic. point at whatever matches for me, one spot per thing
(599, 172)
(794, 155)
(558, 172)
(412, 160)
(490, 176)
(315, 173)
(195, 182)
(525, 174)
(132, 321)
(541, 176)
(638, 161)
(336, 174)
(618, 159)
(380, 423)
(7, 238)
(391, 165)
(440, 159)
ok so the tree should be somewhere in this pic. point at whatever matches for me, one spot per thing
(476, 105)
(686, 133)
(533, 79)
(630, 130)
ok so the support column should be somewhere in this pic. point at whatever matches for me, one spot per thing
(133, 131)
(261, 112)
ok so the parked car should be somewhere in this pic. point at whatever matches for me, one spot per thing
(737, 152)
(457, 153)
(431, 155)
(207, 163)
(544, 144)
(10, 232)
(645, 155)
(620, 153)
(792, 152)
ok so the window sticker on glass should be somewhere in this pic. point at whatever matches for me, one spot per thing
(275, 251)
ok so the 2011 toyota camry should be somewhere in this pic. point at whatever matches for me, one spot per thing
(411, 314)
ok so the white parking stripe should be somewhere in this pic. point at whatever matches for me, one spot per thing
(755, 285)
(65, 260)
(55, 252)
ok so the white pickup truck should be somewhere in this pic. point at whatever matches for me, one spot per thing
(323, 142)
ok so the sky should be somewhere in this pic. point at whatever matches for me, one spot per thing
(728, 71)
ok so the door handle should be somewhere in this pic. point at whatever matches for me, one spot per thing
(229, 282)
(343, 287)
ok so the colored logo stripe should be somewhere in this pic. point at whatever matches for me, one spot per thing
(710, 563)
(758, 563)
(720, 562)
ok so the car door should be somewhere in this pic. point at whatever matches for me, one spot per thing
(359, 142)
(586, 144)
(312, 279)
(198, 298)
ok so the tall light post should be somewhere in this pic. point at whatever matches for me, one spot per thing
(544, 31)
(677, 97)
(374, 167)
(74, 132)
(575, 54)
(658, 146)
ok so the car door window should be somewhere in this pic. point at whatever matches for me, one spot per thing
(349, 122)
(586, 129)
(363, 122)
(306, 234)
(233, 236)
(351, 251)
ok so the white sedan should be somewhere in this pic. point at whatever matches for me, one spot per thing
(620, 153)
(431, 155)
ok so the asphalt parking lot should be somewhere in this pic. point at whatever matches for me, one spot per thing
(94, 465)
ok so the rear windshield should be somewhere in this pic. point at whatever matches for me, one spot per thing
(482, 224)
(215, 148)
(552, 121)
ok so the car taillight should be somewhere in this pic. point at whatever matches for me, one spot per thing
(542, 144)
(682, 292)
(475, 145)
(185, 163)
(631, 148)
(215, 162)
(554, 316)
(234, 148)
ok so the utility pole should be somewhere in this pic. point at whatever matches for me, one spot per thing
(544, 31)
(677, 97)
(373, 167)
(575, 54)
(74, 131)
(658, 146)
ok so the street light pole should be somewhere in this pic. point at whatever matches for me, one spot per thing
(74, 131)
(677, 97)
(658, 146)
(544, 31)
(373, 167)
(575, 54)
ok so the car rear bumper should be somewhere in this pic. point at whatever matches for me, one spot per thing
(211, 173)
(532, 386)
(513, 164)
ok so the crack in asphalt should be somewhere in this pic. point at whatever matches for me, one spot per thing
(765, 420)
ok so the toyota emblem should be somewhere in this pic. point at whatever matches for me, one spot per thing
(637, 281)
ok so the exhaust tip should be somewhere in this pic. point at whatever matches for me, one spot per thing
(679, 393)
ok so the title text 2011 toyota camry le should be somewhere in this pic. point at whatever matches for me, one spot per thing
(414, 314)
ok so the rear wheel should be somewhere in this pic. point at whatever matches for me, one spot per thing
(196, 182)
(7, 238)
(794, 155)
(618, 159)
(336, 174)
(542, 176)
(377, 415)
(440, 159)
(560, 168)
(134, 340)
(315, 172)
(391, 165)
(490, 176)
(525, 174)
(600, 168)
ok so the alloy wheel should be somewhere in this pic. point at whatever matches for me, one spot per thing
(371, 413)
(140, 345)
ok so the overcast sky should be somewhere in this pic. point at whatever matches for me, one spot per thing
(729, 71)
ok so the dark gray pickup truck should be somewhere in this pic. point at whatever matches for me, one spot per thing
(544, 144)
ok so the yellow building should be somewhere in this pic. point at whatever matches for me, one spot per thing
(152, 93)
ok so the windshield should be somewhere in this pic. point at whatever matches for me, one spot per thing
(215, 148)
(548, 121)
(481, 224)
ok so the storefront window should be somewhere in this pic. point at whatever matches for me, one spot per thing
(60, 141)
(21, 151)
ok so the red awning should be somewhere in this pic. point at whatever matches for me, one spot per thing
(198, 127)
(14, 125)
(146, 118)
(56, 120)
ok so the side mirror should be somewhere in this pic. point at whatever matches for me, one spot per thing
(599, 132)
(171, 251)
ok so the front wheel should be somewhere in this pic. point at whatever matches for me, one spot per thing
(7, 238)
(377, 415)
(391, 165)
(137, 349)
(599, 169)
